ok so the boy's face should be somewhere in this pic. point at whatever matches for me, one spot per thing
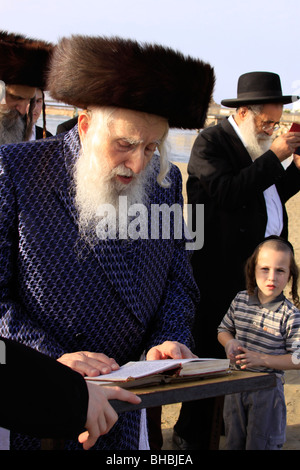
(272, 273)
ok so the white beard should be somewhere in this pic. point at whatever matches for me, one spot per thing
(256, 144)
(96, 186)
(12, 127)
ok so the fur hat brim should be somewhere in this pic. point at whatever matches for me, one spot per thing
(98, 71)
(23, 61)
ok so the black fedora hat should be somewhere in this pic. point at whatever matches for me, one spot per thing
(259, 88)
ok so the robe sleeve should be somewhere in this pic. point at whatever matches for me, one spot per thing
(15, 322)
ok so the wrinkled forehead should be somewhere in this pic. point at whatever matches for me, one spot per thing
(271, 112)
(138, 125)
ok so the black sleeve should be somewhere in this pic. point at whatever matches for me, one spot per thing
(215, 172)
(38, 395)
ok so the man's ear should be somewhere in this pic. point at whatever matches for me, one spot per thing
(83, 124)
(243, 111)
(241, 114)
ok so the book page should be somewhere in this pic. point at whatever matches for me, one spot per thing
(139, 369)
(144, 368)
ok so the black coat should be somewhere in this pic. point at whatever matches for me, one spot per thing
(39, 133)
(66, 125)
(38, 395)
(223, 177)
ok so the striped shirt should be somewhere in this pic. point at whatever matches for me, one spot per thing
(272, 328)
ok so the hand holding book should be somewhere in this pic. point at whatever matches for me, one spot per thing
(295, 128)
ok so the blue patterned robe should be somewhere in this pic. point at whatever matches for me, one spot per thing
(57, 296)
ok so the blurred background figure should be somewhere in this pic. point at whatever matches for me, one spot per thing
(37, 107)
(23, 65)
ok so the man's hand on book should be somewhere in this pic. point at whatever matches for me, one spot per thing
(169, 350)
(89, 363)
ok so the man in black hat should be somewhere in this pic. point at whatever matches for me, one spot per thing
(23, 66)
(236, 171)
(85, 279)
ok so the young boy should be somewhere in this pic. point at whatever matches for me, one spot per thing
(261, 332)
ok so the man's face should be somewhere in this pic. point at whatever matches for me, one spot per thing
(13, 113)
(114, 159)
(131, 141)
(268, 119)
(18, 98)
(257, 128)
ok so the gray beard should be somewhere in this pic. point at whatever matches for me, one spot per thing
(256, 144)
(12, 127)
(90, 195)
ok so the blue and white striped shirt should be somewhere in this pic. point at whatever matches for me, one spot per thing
(272, 328)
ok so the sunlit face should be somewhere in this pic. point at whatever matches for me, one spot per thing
(18, 97)
(268, 119)
(116, 149)
(131, 141)
(272, 272)
(257, 128)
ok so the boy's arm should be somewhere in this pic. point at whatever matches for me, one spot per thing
(224, 337)
(230, 344)
(249, 358)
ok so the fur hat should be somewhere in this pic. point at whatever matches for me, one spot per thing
(98, 71)
(23, 61)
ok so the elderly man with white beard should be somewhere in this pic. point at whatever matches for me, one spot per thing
(124, 167)
(95, 303)
(23, 66)
(236, 171)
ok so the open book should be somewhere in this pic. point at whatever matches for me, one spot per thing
(135, 374)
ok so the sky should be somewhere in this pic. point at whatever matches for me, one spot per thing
(234, 36)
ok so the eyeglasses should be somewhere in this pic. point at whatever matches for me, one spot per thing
(268, 126)
(265, 125)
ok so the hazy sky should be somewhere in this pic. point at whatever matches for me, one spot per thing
(235, 36)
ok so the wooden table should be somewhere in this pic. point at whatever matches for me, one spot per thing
(218, 387)
(234, 382)
(159, 395)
